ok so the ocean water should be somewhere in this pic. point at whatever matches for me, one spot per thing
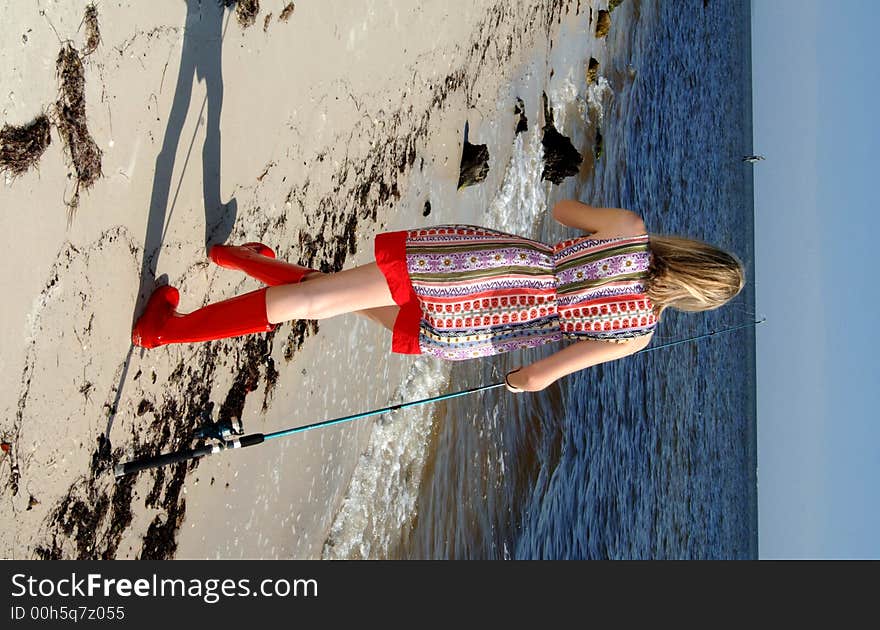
(652, 456)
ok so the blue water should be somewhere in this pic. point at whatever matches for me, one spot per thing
(652, 456)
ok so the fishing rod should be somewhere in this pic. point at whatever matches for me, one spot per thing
(228, 434)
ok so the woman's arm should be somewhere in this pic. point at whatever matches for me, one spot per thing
(577, 356)
(606, 222)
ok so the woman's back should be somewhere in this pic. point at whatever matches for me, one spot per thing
(601, 287)
(484, 292)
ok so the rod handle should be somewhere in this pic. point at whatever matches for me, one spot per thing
(251, 440)
(127, 468)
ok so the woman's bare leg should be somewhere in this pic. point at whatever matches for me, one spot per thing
(359, 289)
(382, 315)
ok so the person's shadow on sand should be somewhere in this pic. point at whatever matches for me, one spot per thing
(201, 55)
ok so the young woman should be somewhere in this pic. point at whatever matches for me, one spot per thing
(459, 292)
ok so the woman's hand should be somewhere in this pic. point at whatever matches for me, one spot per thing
(574, 357)
(515, 381)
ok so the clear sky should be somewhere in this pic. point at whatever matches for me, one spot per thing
(816, 91)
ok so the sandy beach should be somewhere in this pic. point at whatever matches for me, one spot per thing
(310, 129)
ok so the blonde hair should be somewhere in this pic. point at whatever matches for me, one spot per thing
(691, 275)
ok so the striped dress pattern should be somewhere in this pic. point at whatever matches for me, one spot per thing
(601, 290)
(467, 291)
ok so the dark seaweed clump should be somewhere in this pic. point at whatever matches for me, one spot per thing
(286, 12)
(93, 33)
(603, 23)
(22, 147)
(246, 11)
(561, 159)
(474, 162)
(593, 71)
(519, 110)
(71, 121)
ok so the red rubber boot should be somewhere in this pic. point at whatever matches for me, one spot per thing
(161, 324)
(258, 261)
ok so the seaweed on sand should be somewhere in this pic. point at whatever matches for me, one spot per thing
(22, 147)
(286, 12)
(93, 33)
(70, 113)
(246, 11)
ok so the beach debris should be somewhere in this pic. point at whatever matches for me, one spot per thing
(474, 162)
(70, 114)
(145, 406)
(266, 21)
(598, 144)
(561, 159)
(522, 123)
(14, 474)
(6, 447)
(427, 209)
(286, 12)
(22, 147)
(593, 71)
(271, 378)
(613, 4)
(102, 457)
(32, 501)
(299, 330)
(86, 389)
(246, 12)
(603, 23)
(89, 522)
(93, 33)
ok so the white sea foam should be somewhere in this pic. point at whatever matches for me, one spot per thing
(597, 95)
(521, 198)
(382, 495)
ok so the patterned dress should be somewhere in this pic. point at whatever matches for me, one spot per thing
(466, 291)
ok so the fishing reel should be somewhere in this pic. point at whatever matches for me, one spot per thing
(220, 430)
(217, 436)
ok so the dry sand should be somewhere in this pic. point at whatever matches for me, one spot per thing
(310, 134)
